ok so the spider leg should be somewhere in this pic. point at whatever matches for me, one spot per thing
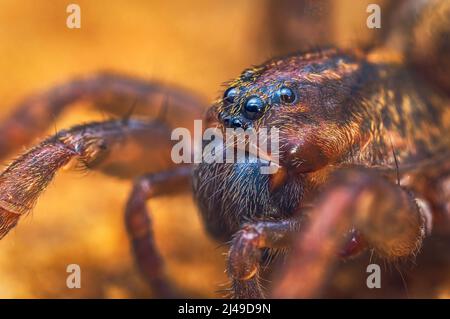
(433, 183)
(385, 214)
(245, 253)
(113, 93)
(139, 225)
(124, 148)
(115, 147)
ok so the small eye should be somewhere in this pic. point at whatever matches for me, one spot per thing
(287, 95)
(253, 107)
(229, 95)
(235, 123)
(247, 75)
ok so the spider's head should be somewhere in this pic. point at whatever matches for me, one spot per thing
(313, 100)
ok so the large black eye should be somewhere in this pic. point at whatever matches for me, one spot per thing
(229, 95)
(287, 95)
(253, 107)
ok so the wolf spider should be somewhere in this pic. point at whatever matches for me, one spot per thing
(364, 159)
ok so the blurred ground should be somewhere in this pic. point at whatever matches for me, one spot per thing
(79, 218)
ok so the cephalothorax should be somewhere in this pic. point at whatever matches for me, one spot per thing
(364, 149)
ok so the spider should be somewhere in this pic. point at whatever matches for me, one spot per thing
(364, 157)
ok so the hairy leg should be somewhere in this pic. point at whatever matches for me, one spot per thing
(139, 225)
(112, 146)
(385, 214)
(244, 256)
(113, 93)
(123, 148)
(433, 183)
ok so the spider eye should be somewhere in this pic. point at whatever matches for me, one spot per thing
(253, 107)
(229, 95)
(247, 75)
(235, 123)
(287, 95)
